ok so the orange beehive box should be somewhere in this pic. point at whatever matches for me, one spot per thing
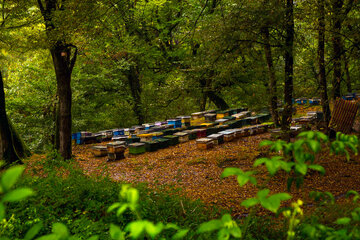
(204, 143)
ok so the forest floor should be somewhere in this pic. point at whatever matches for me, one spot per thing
(197, 172)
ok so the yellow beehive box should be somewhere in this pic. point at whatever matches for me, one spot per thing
(197, 122)
(207, 124)
(222, 115)
(99, 151)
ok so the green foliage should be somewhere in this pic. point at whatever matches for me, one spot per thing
(61, 200)
(242, 177)
(226, 227)
(342, 142)
(271, 203)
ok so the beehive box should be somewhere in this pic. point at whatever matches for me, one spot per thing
(115, 156)
(222, 114)
(204, 143)
(218, 138)
(210, 111)
(132, 139)
(212, 130)
(116, 147)
(156, 135)
(148, 126)
(252, 120)
(197, 122)
(222, 127)
(99, 151)
(145, 137)
(185, 121)
(175, 122)
(90, 139)
(137, 148)
(119, 138)
(229, 135)
(210, 117)
(192, 134)
(163, 143)
(151, 146)
(317, 114)
(118, 132)
(314, 101)
(173, 139)
(183, 136)
(264, 117)
(197, 115)
(221, 121)
(200, 133)
(209, 124)
(245, 132)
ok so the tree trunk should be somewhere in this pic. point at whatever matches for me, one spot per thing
(11, 146)
(337, 46)
(60, 54)
(213, 96)
(347, 74)
(217, 100)
(321, 55)
(289, 70)
(272, 83)
(135, 88)
(64, 62)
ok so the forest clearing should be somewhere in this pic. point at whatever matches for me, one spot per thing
(169, 119)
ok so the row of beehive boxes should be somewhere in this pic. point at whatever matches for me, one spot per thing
(132, 135)
(205, 140)
(195, 119)
(230, 135)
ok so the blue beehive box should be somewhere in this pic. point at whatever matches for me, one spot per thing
(348, 97)
(314, 101)
(118, 132)
(175, 122)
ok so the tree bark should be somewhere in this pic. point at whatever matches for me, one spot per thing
(337, 46)
(64, 61)
(135, 88)
(272, 78)
(321, 55)
(60, 54)
(214, 97)
(289, 69)
(217, 100)
(347, 74)
(12, 149)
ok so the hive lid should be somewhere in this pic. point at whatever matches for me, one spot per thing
(99, 147)
(139, 144)
(181, 134)
(204, 140)
(116, 143)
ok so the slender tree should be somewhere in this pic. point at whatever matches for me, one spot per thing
(273, 100)
(339, 13)
(289, 68)
(321, 58)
